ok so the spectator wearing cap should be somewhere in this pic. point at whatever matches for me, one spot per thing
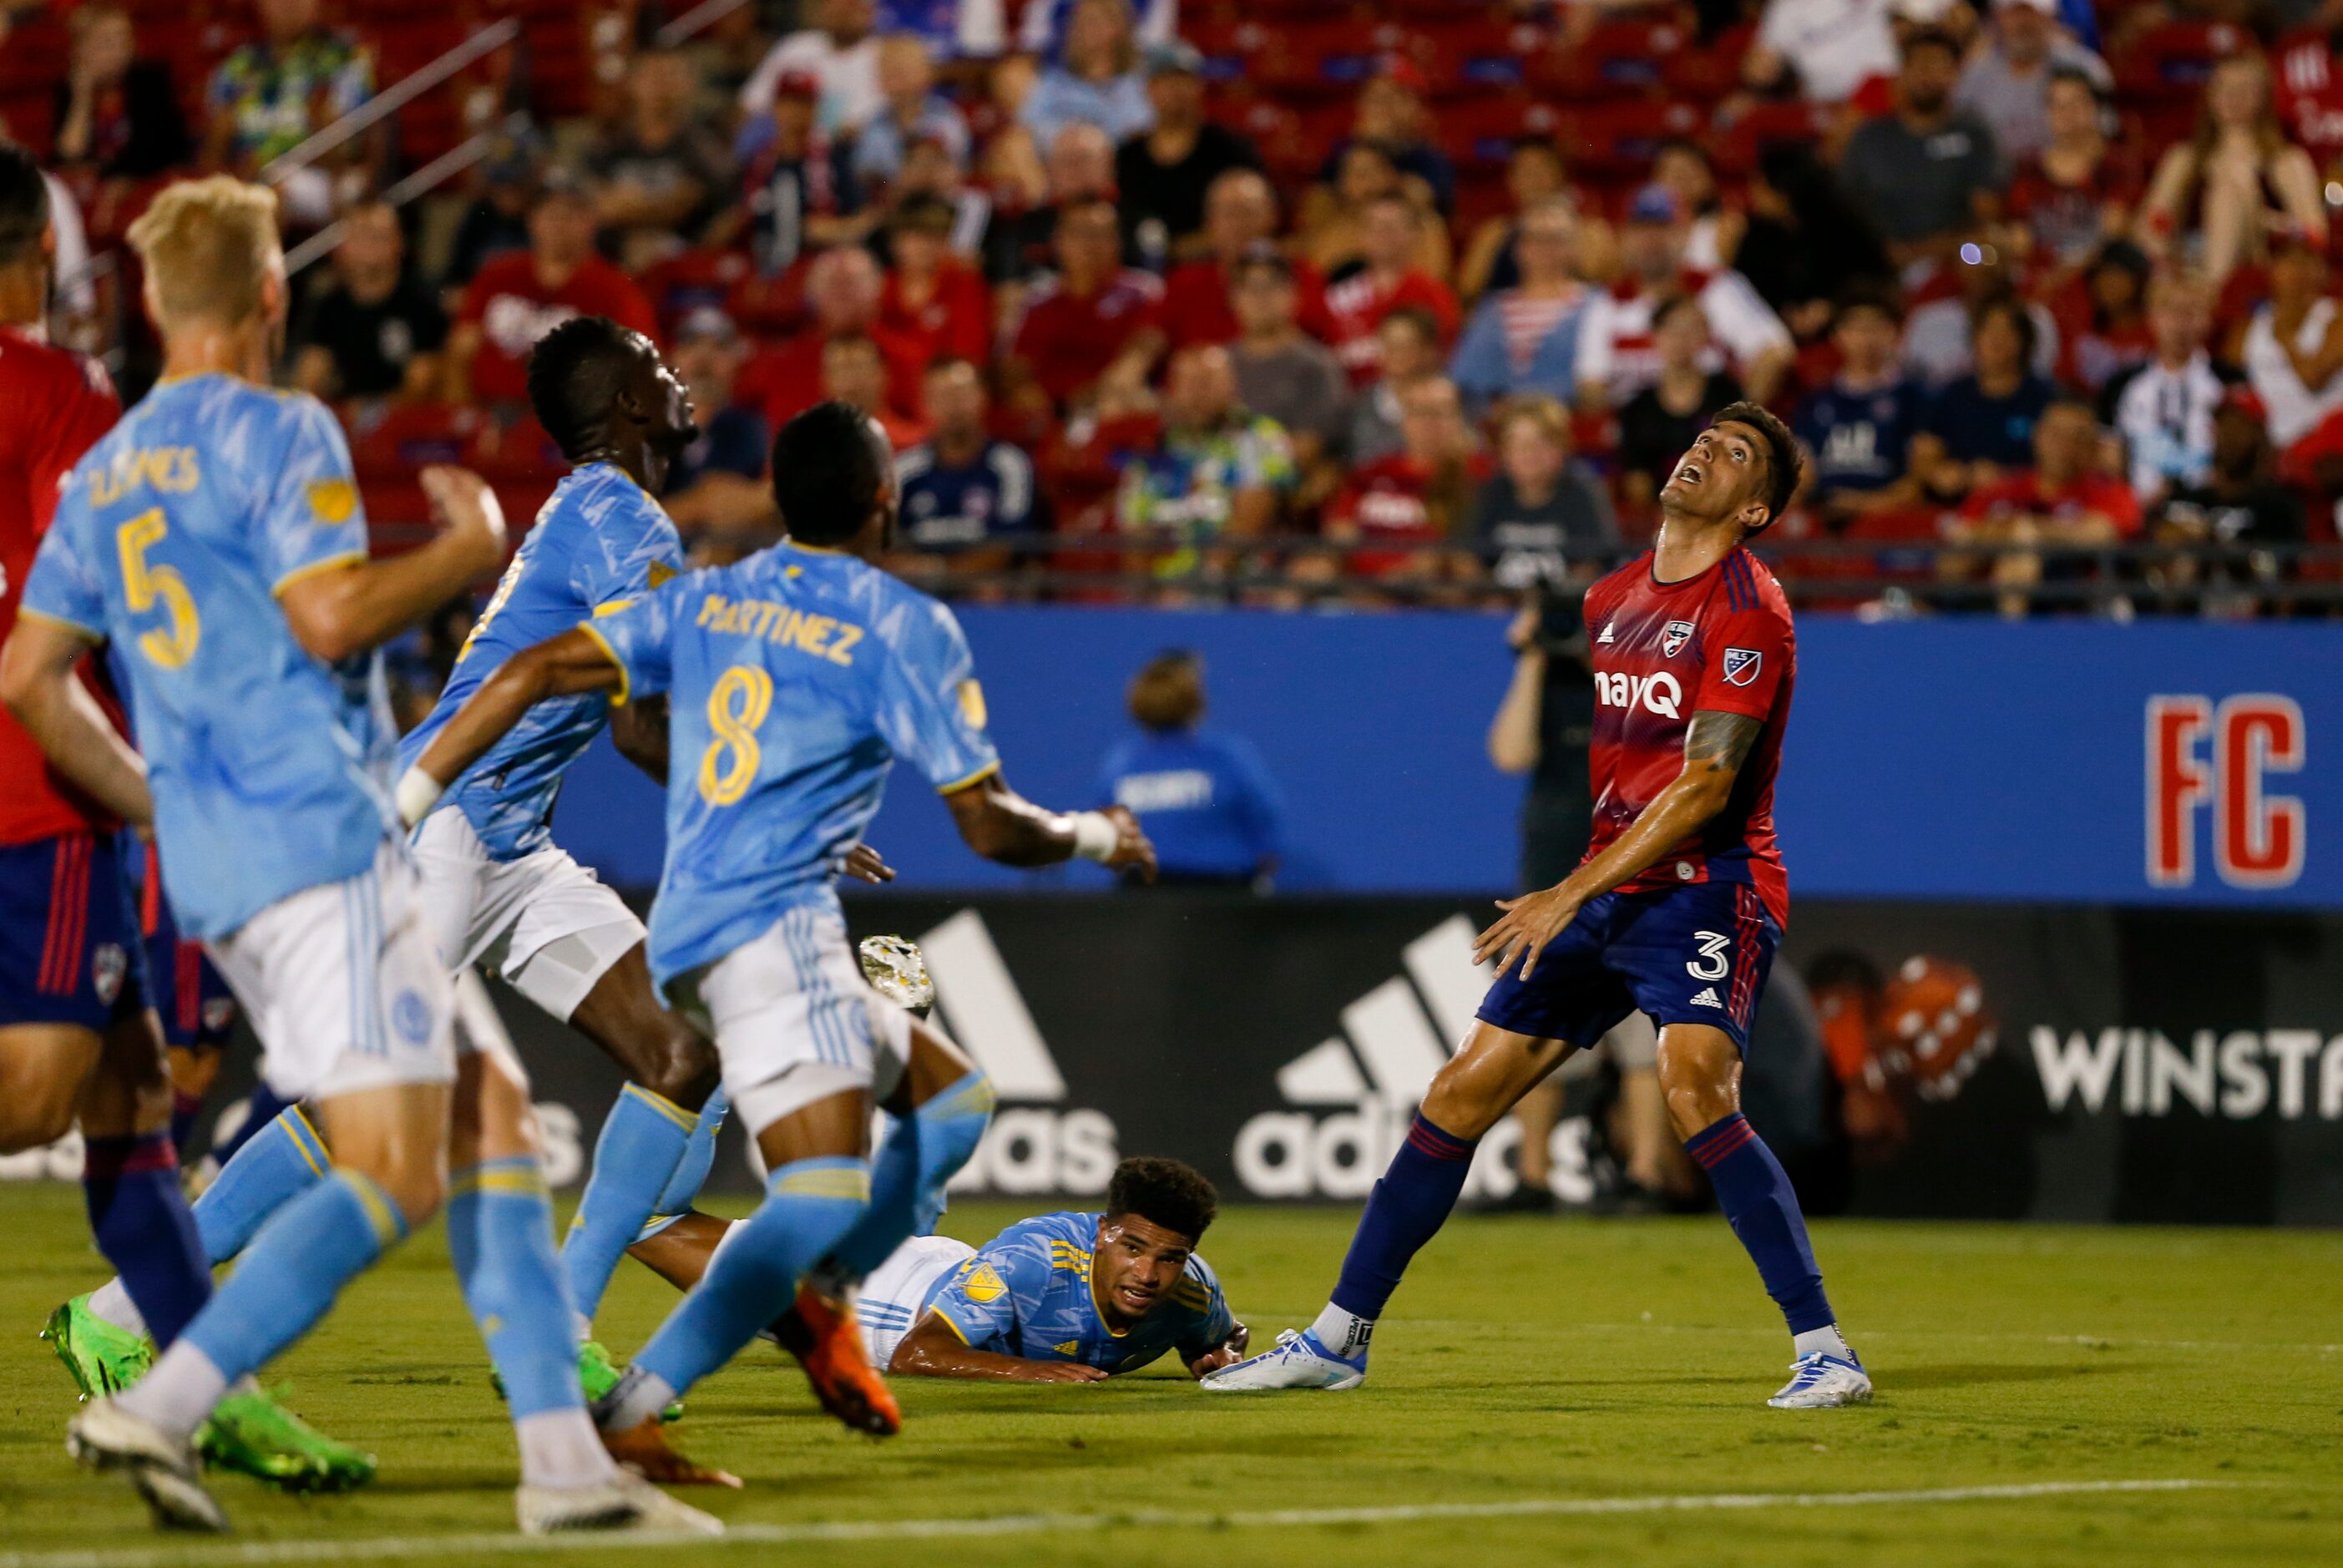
(1386, 278)
(2292, 347)
(273, 94)
(1420, 495)
(2163, 410)
(964, 499)
(932, 299)
(1240, 217)
(2007, 82)
(1525, 338)
(911, 110)
(842, 290)
(1098, 83)
(1019, 241)
(1392, 116)
(2219, 198)
(2076, 192)
(1089, 318)
(663, 171)
(1211, 805)
(2238, 504)
(1284, 373)
(1980, 427)
(1407, 349)
(854, 371)
(719, 483)
(1857, 430)
(1616, 358)
(1658, 426)
(1540, 514)
(1927, 174)
(1216, 472)
(840, 51)
(2062, 500)
(802, 195)
(378, 331)
(517, 298)
(1162, 176)
(1821, 49)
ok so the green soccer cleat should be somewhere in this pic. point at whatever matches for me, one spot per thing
(598, 1374)
(103, 1359)
(254, 1435)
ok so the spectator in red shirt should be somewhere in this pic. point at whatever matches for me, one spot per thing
(1384, 279)
(1420, 494)
(518, 297)
(931, 298)
(2076, 193)
(2068, 500)
(843, 289)
(2310, 86)
(1239, 212)
(1091, 320)
(854, 372)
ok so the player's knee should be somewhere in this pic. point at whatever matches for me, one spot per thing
(39, 1091)
(1699, 1090)
(1459, 1102)
(681, 1066)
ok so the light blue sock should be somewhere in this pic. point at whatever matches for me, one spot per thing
(951, 1126)
(691, 1170)
(810, 1205)
(500, 1235)
(640, 1145)
(294, 1270)
(276, 1164)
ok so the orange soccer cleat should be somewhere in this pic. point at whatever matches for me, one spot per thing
(821, 1332)
(644, 1449)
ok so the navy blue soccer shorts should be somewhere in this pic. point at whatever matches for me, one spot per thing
(70, 947)
(1692, 954)
(198, 1010)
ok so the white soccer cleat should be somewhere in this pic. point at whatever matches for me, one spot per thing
(1298, 1361)
(163, 1468)
(626, 1503)
(1823, 1381)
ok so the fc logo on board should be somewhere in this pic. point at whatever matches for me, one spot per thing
(2204, 757)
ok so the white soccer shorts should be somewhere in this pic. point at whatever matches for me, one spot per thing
(543, 922)
(892, 1299)
(344, 986)
(793, 1019)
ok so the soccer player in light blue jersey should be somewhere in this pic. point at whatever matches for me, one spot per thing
(796, 678)
(216, 536)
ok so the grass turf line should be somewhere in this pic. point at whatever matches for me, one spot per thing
(1526, 1359)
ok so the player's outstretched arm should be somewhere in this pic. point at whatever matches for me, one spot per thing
(932, 1350)
(562, 666)
(38, 684)
(1716, 746)
(1227, 1353)
(348, 610)
(1001, 825)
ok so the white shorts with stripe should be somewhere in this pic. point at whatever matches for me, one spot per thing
(892, 1299)
(793, 1019)
(344, 986)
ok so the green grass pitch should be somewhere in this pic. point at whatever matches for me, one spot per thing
(1541, 1389)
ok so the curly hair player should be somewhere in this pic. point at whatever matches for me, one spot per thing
(1676, 911)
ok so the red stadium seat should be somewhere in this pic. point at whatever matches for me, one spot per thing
(2173, 60)
(691, 280)
(1620, 140)
(1618, 58)
(1734, 147)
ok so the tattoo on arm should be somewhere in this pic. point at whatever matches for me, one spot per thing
(1720, 739)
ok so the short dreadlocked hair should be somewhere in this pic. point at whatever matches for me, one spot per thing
(575, 373)
(1782, 460)
(1167, 1192)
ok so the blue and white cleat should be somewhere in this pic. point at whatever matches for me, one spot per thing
(1300, 1360)
(1823, 1381)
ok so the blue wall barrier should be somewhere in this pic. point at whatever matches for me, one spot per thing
(2073, 761)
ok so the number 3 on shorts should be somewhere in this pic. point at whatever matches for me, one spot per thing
(736, 706)
(1712, 964)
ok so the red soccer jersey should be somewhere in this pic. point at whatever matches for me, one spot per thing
(2025, 495)
(1390, 499)
(60, 404)
(785, 380)
(1196, 307)
(1070, 339)
(1356, 307)
(956, 320)
(1720, 641)
(513, 309)
(2310, 92)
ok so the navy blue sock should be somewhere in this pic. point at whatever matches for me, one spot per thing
(1408, 1205)
(265, 1107)
(141, 1224)
(1756, 1195)
(184, 1109)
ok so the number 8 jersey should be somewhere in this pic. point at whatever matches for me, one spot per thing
(795, 678)
(172, 538)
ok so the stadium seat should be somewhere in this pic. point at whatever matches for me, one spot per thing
(2172, 61)
(691, 280)
(1621, 139)
(1619, 58)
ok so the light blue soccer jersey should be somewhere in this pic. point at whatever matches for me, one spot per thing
(1027, 1294)
(173, 538)
(795, 678)
(600, 543)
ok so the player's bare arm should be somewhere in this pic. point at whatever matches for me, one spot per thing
(38, 682)
(565, 665)
(350, 610)
(932, 1350)
(1002, 826)
(1716, 746)
(1228, 1353)
(639, 733)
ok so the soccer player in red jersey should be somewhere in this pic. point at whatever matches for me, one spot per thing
(1676, 911)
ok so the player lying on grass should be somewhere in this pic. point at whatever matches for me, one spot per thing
(1073, 1297)
(1676, 911)
(797, 676)
(215, 538)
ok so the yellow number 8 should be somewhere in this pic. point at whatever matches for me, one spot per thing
(146, 586)
(743, 695)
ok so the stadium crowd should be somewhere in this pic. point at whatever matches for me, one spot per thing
(1292, 301)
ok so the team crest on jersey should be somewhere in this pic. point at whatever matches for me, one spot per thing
(1606, 633)
(1741, 665)
(658, 572)
(984, 1284)
(219, 1012)
(333, 500)
(107, 965)
(1070, 1347)
(1672, 636)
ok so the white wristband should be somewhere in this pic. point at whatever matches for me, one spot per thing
(418, 792)
(1095, 835)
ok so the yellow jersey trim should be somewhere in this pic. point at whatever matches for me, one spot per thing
(979, 777)
(331, 563)
(625, 686)
(664, 1106)
(946, 1318)
(91, 633)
